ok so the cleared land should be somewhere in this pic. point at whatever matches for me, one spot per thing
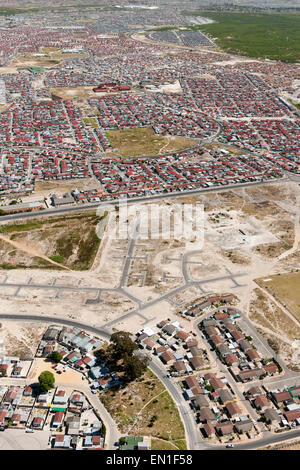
(67, 93)
(144, 141)
(145, 408)
(285, 288)
(32, 60)
(43, 188)
(273, 36)
(59, 242)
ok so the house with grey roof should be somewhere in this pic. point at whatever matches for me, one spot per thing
(200, 401)
(243, 426)
(225, 396)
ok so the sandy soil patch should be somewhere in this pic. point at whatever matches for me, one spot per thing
(68, 93)
(71, 376)
(21, 339)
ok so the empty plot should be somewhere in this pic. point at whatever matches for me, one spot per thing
(285, 288)
(144, 141)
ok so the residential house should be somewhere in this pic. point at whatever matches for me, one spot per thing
(243, 426)
(233, 409)
(225, 428)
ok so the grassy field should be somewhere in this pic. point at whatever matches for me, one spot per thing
(145, 408)
(144, 141)
(285, 288)
(273, 36)
(91, 122)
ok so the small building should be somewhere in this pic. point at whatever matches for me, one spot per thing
(167, 357)
(233, 409)
(243, 426)
(261, 402)
(200, 401)
(225, 428)
(206, 415)
(62, 201)
(37, 422)
(209, 429)
(225, 396)
(281, 397)
(272, 416)
(57, 419)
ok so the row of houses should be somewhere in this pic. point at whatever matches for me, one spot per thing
(216, 407)
(236, 349)
(208, 303)
(176, 348)
(13, 366)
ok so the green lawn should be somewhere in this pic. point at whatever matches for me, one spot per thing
(273, 36)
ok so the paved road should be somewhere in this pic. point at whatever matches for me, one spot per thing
(191, 430)
(112, 203)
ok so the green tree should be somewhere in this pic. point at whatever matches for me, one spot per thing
(120, 356)
(134, 367)
(122, 345)
(46, 381)
(55, 357)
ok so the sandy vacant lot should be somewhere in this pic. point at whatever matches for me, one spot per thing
(69, 377)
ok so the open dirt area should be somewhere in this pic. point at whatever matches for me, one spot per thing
(64, 242)
(43, 189)
(34, 60)
(68, 93)
(279, 328)
(144, 141)
(70, 376)
(20, 339)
